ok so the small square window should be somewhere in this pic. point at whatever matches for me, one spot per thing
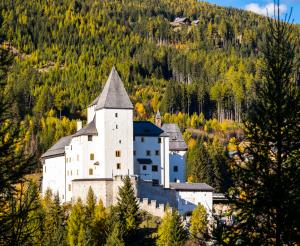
(159, 140)
(91, 171)
(69, 187)
(144, 167)
(116, 115)
(156, 152)
(118, 165)
(134, 152)
(90, 138)
(120, 141)
(92, 157)
(116, 126)
(154, 168)
(133, 138)
(118, 153)
(175, 169)
(148, 152)
(142, 139)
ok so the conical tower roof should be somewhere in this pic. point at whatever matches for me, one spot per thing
(114, 94)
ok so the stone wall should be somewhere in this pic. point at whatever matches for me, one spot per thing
(105, 189)
(152, 207)
(158, 193)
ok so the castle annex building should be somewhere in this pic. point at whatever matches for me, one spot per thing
(112, 145)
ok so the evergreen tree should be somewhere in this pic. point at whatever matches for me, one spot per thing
(99, 224)
(115, 238)
(198, 223)
(171, 231)
(76, 225)
(55, 231)
(14, 165)
(267, 184)
(127, 208)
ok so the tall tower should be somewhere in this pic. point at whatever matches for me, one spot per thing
(114, 123)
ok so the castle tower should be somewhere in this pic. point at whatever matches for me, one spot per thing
(114, 123)
(158, 119)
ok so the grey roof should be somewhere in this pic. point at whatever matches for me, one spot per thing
(191, 186)
(177, 142)
(181, 19)
(89, 129)
(144, 161)
(147, 129)
(58, 148)
(114, 94)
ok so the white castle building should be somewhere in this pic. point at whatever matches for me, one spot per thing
(112, 145)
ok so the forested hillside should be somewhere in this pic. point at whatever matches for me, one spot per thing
(64, 50)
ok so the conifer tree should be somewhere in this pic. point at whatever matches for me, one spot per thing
(127, 208)
(171, 231)
(55, 231)
(198, 223)
(76, 225)
(99, 224)
(115, 238)
(267, 184)
(14, 165)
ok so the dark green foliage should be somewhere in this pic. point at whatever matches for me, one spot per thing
(15, 204)
(127, 208)
(22, 223)
(55, 233)
(171, 231)
(115, 238)
(207, 163)
(267, 185)
(65, 54)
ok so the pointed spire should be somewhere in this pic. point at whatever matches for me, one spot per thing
(114, 94)
(158, 119)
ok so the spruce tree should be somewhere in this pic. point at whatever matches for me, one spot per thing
(171, 231)
(267, 184)
(76, 224)
(198, 223)
(127, 208)
(15, 163)
(99, 224)
(115, 238)
(55, 231)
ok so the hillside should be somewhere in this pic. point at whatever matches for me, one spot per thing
(65, 49)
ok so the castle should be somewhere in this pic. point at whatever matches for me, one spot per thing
(112, 145)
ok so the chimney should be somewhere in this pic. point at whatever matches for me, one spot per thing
(79, 125)
(158, 119)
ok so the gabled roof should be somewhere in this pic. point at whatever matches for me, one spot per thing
(176, 140)
(58, 148)
(114, 94)
(89, 129)
(147, 129)
(191, 187)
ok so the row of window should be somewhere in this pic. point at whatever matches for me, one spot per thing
(143, 139)
(155, 168)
